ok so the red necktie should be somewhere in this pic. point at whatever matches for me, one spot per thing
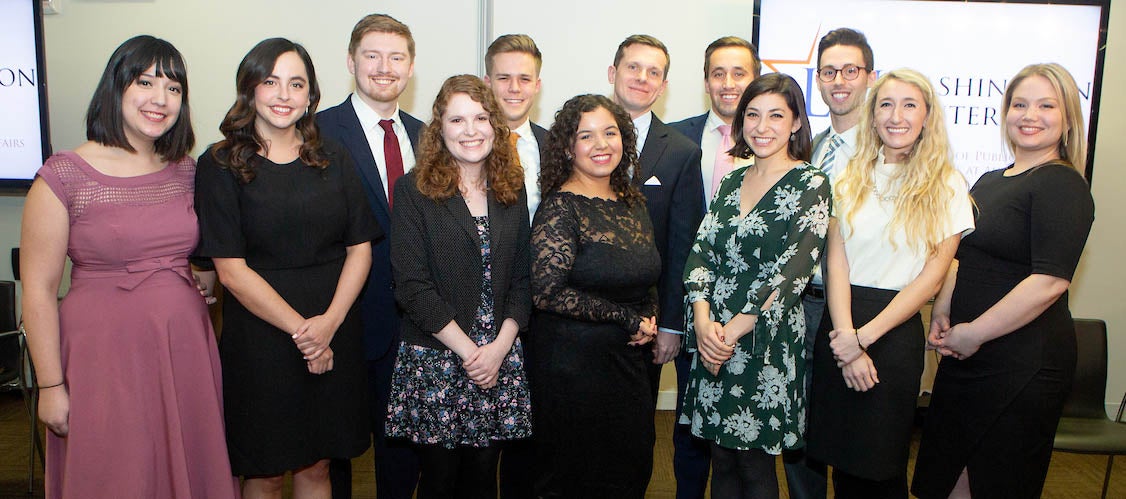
(392, 157)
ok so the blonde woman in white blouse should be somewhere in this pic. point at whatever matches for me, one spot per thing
(901, 209)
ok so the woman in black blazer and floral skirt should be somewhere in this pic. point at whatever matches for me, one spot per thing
(460, 255)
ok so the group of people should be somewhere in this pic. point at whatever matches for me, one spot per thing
(480, 295)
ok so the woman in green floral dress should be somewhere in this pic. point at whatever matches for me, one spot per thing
(753, 256)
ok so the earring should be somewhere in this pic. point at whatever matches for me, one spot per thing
(793, 136)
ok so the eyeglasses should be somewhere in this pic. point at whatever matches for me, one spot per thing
(849, 72)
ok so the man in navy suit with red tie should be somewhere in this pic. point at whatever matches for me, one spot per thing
(381, 139)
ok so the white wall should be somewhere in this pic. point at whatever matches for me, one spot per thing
(1099, 288)
(214, 35)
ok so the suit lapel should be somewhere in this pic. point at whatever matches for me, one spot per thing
(818, 143)
(696, 128)
(413, 128)
(541, 139)
(498, 222)
(357, 143)
(655, 144)
(460, 212)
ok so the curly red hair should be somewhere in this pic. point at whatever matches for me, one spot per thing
(437, 175)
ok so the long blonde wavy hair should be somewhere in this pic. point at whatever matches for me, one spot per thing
(920, 205)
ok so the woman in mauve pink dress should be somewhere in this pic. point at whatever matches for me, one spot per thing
(128, 372)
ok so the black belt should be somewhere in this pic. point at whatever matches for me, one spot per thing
(815, 291)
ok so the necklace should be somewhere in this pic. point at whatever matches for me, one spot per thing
(883, 197)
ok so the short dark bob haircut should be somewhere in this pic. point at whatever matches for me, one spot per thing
(800, 145)
(104, 123)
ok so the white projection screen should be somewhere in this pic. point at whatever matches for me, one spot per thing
(969, 50)
(23, 109)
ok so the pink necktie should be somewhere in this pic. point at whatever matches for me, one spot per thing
(724, 163)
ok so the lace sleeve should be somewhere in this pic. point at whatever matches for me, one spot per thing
(556, 238)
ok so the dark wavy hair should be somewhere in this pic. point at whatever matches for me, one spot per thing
(437, 175)
(239, 148)
(556, 165)
(104, 123)
(800, 146)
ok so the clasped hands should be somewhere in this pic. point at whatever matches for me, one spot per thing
(856, 366)
(959, 341)
(313, 339)
(716, 342)
(483, 364)
(646, 332)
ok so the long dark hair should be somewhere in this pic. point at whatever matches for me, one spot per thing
(800, 146)
(557, 164)
(104, 123)
(239, 148)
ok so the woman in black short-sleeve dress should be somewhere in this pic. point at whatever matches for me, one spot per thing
(1002, 317)
(283, 216)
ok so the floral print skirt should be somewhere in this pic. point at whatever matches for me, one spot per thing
(433, 401)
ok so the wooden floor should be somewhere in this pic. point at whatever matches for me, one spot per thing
(1071, 476)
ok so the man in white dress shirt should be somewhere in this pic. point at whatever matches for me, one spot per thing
(512, 71)
(730, 64)
(845, 71)
(381, 138)
(668, 175)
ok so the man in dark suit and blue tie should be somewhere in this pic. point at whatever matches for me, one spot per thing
(730, 64)
(381, 139)
(669, 176)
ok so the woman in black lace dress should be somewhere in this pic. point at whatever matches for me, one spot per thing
(594, 273)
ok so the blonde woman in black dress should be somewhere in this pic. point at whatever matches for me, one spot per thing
(1001, 318)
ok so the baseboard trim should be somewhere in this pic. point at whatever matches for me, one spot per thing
(666, 400)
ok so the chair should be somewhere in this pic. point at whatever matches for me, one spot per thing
(25, 381)
(1084, 427)
(16, 372)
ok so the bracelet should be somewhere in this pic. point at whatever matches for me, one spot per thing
(50, 386)
(856, 332)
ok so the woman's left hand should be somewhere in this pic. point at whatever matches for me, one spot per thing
(322, 364)
(646, 332)
(960, 341)
(845, 345)
(860, 375)
(483, 365)
(205, 283)
(712, 368)
(314, 335)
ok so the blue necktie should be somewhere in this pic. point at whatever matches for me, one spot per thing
(835, 143)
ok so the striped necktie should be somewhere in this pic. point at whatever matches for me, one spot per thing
(835, 143)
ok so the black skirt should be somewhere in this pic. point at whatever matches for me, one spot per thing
(867, 434)
(995, 413)
(592, 408)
